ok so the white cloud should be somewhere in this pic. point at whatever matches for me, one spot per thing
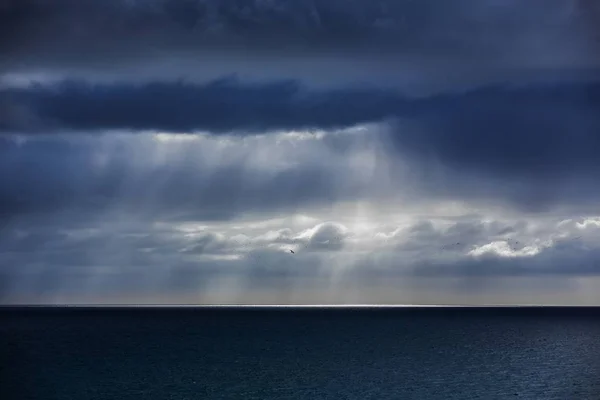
(504, 249)
(589, 222)
(228, 261)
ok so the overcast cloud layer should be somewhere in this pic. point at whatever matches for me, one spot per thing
(406, 151)
(428, 27)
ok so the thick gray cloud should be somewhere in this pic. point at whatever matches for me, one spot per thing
(334, 24)
(531, 129)
(533, 145)
(557, 119)
(220, 107)
(414, 44)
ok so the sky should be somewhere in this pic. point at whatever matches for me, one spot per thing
(407, 152)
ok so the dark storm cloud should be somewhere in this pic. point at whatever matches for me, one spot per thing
(219, 107)
(541, 129)
(541, 115)
(534, 145)
(530, 129)
(88, 31)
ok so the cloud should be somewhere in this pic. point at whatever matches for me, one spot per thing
(478, 248)
(333, 24)
(388, 42)
(163, 176)
(535, 129)
(524, 159)
(177, 151)
(230, 261)
(531, 145)
(503, 121)
(328, 236)
(222, 106)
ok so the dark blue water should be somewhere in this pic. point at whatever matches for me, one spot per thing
(287, 353)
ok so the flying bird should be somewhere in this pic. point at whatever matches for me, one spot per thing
(292, 251)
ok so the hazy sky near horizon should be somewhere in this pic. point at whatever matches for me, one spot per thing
(414, 152)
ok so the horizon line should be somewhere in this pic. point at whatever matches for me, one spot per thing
(126, 305)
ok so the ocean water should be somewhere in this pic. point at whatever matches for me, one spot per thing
(287, 353)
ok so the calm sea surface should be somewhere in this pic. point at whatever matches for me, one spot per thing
(287, 353)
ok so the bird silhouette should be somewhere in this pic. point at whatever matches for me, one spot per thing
(292, 251)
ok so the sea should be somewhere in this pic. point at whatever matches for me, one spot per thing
(176, 353)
